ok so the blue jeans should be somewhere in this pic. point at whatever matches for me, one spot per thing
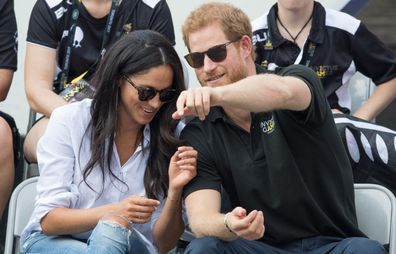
(313, 245)
(105, 238)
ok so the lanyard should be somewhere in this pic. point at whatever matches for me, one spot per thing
(311, 50)
(269, 47)
(72, 30)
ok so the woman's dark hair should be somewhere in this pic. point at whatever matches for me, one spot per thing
(134, 54)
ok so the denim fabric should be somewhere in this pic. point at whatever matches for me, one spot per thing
(313, 245)
(105, 238)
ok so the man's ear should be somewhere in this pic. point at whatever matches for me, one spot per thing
(246, 46)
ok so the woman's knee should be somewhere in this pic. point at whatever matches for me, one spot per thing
(32, 138)
(117, 219)
(5, 133)
(5, 141)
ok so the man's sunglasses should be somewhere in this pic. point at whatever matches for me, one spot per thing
(216, 53)
(147, 93)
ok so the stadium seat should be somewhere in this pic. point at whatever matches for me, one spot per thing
(19, 211)
(376, 213)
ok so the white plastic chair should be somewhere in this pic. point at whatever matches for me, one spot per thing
(360, 88)
(376, 213)
(19, 211)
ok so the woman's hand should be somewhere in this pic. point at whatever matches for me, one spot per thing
(182, 167)
(137, 209)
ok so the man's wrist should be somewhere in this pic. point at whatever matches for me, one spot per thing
(226, 223)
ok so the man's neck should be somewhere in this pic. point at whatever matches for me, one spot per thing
(294, 19)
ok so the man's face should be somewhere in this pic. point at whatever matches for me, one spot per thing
(212, 73)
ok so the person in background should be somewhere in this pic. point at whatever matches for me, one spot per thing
(111, 168)
(336, 45)
(9, 135)
(270, 140)
(69, 38)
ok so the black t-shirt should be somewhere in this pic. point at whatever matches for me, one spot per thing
(50, 22)
(292, 166)
(338, 45)
(8, 36)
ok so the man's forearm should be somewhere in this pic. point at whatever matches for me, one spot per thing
(212, 225)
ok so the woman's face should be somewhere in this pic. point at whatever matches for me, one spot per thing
(134, 111)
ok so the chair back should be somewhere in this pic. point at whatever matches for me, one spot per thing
(376, 213)
(20, 209)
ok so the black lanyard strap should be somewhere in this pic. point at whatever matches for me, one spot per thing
(267, 47)
(70, 40)
(72, 30)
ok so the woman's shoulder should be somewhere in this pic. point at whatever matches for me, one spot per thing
(59, 7)
(74, 112)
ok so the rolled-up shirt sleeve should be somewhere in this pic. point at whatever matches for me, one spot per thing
(56, 160)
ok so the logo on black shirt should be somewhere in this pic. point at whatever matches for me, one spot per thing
(259, 36)
(268, 126)
(324, 70)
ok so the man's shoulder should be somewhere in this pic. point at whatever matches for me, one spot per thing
(295, 69)
(215, 114)
(342, 21)
(260, 22)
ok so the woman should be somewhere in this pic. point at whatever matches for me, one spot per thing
(104, 162)
(85, 29)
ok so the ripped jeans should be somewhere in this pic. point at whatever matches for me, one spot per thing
(107, 237)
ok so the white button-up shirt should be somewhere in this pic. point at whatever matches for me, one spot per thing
(62, 154)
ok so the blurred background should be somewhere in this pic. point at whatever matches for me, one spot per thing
(379, 16)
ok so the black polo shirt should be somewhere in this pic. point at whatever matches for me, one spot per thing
(338, 45)
(8, 36)
(50, 22)
(292, 166)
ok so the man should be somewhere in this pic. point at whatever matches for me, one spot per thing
(283, 166)
(9, 136)
(336, 45)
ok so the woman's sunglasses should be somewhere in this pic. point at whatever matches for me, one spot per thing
(147, 93)
(216, 53)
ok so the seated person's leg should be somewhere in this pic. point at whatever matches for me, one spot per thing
(38, 242)
(32, 138)
(212, 245)
(115, 234)
(358, 245)
(6, 164)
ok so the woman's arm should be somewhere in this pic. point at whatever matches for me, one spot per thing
(66, 221)
(169, 226)
(39, 76)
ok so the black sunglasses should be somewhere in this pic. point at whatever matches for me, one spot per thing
(147, 93)
(216, 53)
